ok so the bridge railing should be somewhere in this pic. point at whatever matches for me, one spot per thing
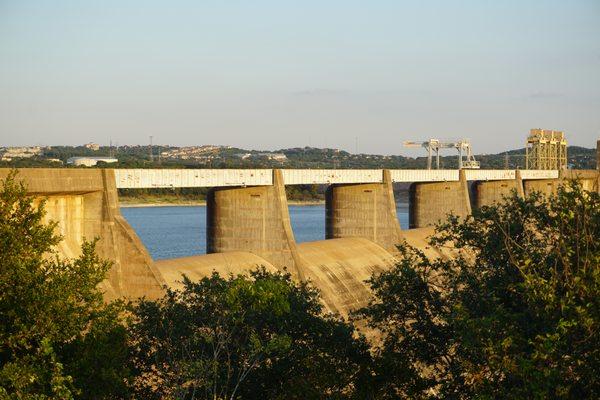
(330, 176)
(178, 178)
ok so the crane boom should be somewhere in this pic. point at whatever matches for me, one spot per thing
(465, 156)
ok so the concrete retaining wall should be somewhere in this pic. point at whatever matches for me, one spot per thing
(363, 210)
(84, 203)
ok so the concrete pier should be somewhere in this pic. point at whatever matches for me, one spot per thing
(589, 179)
(432, 202)
(253, 219)
(363, 210)
(487, 193)
(544, 186)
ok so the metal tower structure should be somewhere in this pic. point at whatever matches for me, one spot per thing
(433, 146)
(546, 149)
(150, 149)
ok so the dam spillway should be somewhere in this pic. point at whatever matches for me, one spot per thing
(248, 219)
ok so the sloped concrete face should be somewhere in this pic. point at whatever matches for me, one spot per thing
(363, 210)
(339, 268)
(432, 202)
(253, 219)
(84, 203)
(198, 267)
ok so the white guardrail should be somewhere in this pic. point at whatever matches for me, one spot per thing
(178, 178)
(329, 176)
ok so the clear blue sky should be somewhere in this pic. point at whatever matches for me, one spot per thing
(274, 74)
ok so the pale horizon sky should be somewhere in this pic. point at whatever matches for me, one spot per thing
(277, 74)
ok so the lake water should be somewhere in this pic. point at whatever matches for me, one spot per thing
(170, 232)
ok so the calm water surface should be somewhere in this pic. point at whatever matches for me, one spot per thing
(170, 232)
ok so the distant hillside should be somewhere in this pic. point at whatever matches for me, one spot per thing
(578, 158)
(209, 156)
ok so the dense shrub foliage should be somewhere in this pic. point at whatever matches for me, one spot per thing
(514, 315)
(258, 338)
(57, 337)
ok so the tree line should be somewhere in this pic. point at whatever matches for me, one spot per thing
(515, 314)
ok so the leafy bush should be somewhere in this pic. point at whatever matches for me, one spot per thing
(258, 337)
(57, 337)
(515, 315)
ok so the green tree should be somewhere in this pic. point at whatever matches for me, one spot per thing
(56, 333)
(262, 337)
(515, 315)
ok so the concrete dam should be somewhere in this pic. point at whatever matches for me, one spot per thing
(248, 222)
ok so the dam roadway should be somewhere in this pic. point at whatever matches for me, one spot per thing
(248, 222)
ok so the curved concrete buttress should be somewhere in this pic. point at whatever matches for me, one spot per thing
(339, 268)
(198, 267)
(419, 238)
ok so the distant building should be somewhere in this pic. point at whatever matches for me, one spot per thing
(273, 156)
(9, 153)
(90, 161)
(199, 153)
(92, 146)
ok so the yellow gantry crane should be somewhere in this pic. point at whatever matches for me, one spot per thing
(466, 160)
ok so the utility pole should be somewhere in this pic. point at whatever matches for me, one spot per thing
(150, 150)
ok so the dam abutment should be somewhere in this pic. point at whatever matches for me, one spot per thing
(84, 203)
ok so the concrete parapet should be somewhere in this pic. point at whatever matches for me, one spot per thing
(487, 193)
(363, 210)
(432, 202)
(84, 203)
(253, 219)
